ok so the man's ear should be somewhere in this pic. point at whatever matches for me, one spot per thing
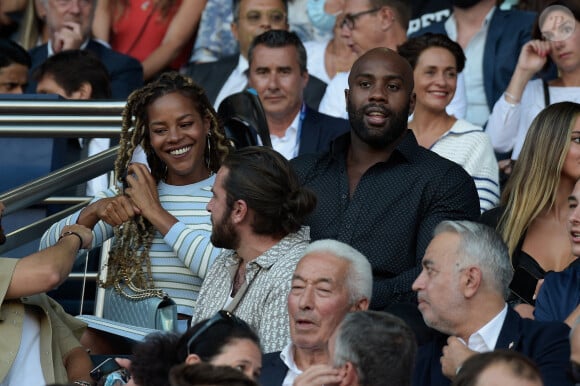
(360, 305)
(412, 101)
(387, 16)
(85, 92)
(192, 359)
(350, 375)
(234, 29)
(239, 211)
(346, 94)
(471, 281)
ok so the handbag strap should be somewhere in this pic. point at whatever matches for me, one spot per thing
(240, 294)
(546, 93)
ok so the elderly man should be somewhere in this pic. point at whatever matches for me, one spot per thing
(462, 290)
(279, 75)
(229, 75)
(39, 342)
(377, 189)
(69, 27)
(257, 210)
(374, 349)
(330, 280)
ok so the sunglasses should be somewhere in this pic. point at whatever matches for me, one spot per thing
(220, 317)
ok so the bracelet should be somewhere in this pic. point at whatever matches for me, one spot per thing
(82, 383)
(513, 98)
(68, 233)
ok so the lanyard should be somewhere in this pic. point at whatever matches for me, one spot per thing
(299, 131)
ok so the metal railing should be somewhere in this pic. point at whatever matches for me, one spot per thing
(62, 118)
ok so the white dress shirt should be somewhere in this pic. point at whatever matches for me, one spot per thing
(237, 81)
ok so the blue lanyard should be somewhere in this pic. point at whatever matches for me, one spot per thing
(299, 131)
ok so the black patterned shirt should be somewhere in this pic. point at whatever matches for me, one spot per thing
(391, 216)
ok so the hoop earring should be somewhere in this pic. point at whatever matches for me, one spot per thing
(208, 152)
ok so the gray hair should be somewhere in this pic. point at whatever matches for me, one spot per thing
(481, 246)
(359, 279)
(379, 345)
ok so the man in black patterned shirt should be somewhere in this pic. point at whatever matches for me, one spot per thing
(377, 189)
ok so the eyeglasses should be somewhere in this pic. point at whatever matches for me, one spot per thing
(220, 316)
(350, 18)
(275, 17)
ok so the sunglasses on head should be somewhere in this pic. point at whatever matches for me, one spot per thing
(219, 317)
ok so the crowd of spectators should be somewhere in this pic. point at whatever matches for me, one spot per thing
(415, 221)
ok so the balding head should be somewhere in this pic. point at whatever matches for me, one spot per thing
(391, 59)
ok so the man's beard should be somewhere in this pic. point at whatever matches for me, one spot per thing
(377, 138)
(224, 234)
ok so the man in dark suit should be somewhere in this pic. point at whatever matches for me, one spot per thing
(278, 73)
(461, 292)
(69, 26)
(228, 75)
(330, 280)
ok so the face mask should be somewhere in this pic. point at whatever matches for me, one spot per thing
(464, 3)
(319, 19)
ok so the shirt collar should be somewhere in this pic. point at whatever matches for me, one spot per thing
(242, 67)
(451, 24)
(490, 332)
(267, 259)
(407, 147)
(287, 356)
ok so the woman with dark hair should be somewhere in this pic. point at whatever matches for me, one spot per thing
(436, 62)
(524, 98)
(223, 340)
(159, 222)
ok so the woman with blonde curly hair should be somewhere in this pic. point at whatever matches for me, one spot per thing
(534, 205)
(159, 222)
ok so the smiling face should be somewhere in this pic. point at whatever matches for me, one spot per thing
(379, 97)
(13, 78)
(435, 78)
(574, 219)
(242, 354)
(177, 134)
(318, 300)
(438, 286)
(275, 74)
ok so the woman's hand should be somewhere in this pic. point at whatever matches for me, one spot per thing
(142, 189)
(114, 211)
(533, 56)
(142, 192)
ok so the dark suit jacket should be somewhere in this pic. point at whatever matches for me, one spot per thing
(126, 72)
(318, 130)
(273, 370)
(546, 343)
(508, 31)
(212, 77)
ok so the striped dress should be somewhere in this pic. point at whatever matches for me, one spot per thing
(181, 259)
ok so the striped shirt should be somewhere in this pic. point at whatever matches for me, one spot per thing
(181, 259)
